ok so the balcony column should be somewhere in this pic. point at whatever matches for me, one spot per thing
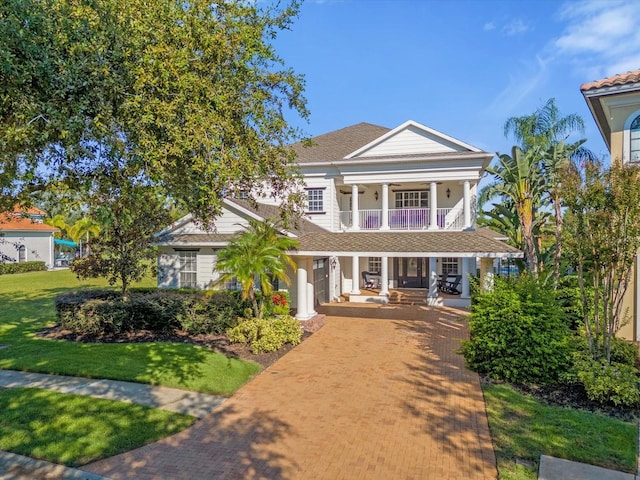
(355, 210)
(432, 296)
(466, 204)
(384, 277)
(433, 206)
(355, 275)
(385, 207)
(310, 289)
(301, 289)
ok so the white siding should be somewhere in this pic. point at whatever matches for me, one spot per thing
(206, 261)
(325, 220)
(227, 222)
(410, 141)
(167, 268)
(38, 245)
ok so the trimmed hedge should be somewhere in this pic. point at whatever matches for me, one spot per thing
(266, 334)
(104, 311)
(22, 267)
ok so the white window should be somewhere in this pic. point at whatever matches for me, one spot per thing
(375, 265)
(412, 199)
(315, 200)
(449, 266)
(634, 147)
(188, 269)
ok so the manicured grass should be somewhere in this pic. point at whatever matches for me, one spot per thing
(524, 428)
(27, 306)
(74, 430)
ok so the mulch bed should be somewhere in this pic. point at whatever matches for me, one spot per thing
(573, 396)
(217, 343)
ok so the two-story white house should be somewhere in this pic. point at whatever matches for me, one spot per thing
(398, 203)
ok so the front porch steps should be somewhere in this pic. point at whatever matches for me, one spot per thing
(410, 297)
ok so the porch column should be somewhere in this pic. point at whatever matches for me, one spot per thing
(433, 206)
(466, 204)
(433, 282)
(355, 210)
(311, 312)
(384, 276)
(486, 274)
(301, 289)
(355, 275)
(385, 207)
(466, 271)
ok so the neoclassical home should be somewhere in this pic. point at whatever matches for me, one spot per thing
(615, 105)
(396, 203)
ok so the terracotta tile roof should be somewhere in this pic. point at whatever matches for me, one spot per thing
(12, 222)
(620, 79)
(336, 145)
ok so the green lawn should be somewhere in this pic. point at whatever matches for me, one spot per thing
(524, 428)
(27, 306)
(74, 430)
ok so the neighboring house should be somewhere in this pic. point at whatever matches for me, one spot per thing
(399, 203)
(24, 237)
(615, 105)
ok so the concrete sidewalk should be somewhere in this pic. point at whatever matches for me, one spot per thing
(552, 468)
(175, 400)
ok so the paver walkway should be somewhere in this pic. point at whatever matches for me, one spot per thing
(363, 398)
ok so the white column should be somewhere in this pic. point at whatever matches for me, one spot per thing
(301, 287)
(355, 275)
(311, 298)
(466, 204)
(466, 271)
(433, 281)
(433, 206)
(486, 273)
(384, 276)
(385, 207)
(355, 209)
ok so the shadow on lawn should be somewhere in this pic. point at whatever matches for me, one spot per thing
(226, 444)
(447, 396)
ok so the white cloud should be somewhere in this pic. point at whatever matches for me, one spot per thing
(489, 26)
(603, 37)
(515, 27)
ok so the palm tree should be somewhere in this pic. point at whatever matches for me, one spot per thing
(86, 227)
(518, 180)
(256, 256)
(547, 131)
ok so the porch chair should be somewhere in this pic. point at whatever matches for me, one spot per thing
(450, 285)
(368, 281)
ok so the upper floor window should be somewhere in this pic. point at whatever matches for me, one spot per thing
(634, 150)
(315, 199)
(412, 199)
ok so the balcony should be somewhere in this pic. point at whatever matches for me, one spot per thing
(405, 219)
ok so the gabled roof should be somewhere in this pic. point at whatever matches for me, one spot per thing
(336, 145)
(615, 80)
(597, 92)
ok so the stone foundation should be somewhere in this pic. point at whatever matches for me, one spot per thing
(313, 324)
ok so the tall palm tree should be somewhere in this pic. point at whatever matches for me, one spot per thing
(547, 130)
(517, 179)
(84, 228)
(256, 256)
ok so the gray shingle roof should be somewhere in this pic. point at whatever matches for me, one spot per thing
(336, 145)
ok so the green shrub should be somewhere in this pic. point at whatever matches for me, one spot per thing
(266, 334)
(623, 351)
(604, 382)
(214, 313)
(22, 267)
(518, 334)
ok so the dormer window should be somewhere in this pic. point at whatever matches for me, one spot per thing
(634, 150)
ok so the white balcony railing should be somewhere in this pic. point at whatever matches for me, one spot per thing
(405, 219)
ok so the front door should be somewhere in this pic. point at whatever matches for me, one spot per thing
(412, 272)
(321, 280)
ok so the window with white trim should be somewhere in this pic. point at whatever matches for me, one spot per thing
(375, 265)
(449, 266)
(315, 200)
(22, 254)
(188, 269)
(412, 199)
(634, 147)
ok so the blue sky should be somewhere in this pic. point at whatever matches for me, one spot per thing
(460, 67)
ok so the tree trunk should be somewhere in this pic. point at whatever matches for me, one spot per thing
(558, 253)
(530, 255)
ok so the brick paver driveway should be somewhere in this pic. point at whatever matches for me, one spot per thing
(378, 392)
